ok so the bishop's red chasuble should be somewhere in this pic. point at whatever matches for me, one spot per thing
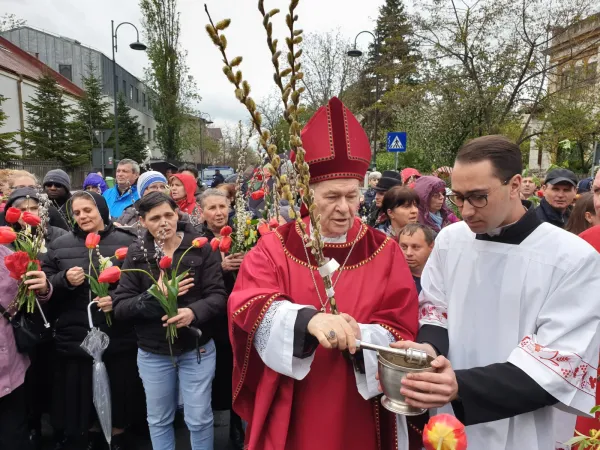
(324, 410)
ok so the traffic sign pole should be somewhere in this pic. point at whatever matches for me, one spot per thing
(396, 160)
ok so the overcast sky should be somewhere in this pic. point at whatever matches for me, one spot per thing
(88, 21)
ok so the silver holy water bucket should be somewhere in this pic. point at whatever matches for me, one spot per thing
(393, 365)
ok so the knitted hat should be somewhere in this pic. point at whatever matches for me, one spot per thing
(147, 178)
(58, 176)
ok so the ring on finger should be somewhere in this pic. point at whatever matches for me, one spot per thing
(331, 335)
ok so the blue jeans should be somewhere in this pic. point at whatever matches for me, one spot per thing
(195, 381)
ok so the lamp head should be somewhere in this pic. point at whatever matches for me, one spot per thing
(355, 53)
(137, 46)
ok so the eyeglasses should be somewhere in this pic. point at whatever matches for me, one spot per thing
(476, 200)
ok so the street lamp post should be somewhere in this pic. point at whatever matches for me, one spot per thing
(203, 123)
(137, 45)
(356, 53)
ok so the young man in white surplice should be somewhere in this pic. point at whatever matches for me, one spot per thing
(512, 303)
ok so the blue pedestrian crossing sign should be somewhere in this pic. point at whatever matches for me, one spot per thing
(396, 141)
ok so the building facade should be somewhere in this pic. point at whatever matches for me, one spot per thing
(73, 60)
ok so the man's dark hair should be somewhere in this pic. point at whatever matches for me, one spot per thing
(189, 168)
(412, 228)
(217, 172)
(154, 199)
(504, 155)
(398, 196)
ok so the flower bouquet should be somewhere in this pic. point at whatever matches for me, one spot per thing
(27, 247)
(165, 289)
(100, 289)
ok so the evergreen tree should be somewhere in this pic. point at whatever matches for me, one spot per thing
(92, 114)
(6, 139)
(47, 135)
(132, 141)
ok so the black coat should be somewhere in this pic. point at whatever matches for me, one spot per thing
(69, 303)
(207, 299)
(546, 213)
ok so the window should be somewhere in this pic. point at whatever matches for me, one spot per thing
(154, 134)
(130, 92)
(124, 87)
(143, 129)
(137, 95)
(66, 71)
(143, 99)
(149, 133)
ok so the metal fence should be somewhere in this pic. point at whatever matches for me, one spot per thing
(41, 168)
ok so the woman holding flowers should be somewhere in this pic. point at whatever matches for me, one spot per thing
(13, 365)
(172, 249)
(73, 262)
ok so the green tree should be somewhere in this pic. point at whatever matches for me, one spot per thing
(6, 139)
(174, 89)
(47, 135)
(132, 141)
(92, 113)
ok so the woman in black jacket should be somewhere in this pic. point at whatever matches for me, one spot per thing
(66, 264)
(202, 302)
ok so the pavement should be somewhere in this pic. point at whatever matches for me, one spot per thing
(181, 433)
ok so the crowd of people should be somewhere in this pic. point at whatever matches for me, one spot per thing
(482, 266)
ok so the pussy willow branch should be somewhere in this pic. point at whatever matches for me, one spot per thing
(242, 93)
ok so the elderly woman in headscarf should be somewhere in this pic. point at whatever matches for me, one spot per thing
(433, 211)
(183, 191)
(95, 183)
(66, 265)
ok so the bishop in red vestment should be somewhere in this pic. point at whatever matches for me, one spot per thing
(291, 382)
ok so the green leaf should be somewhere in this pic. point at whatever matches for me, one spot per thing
(595, 409)
(576, 440)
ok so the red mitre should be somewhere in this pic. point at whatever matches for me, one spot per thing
(335, 143)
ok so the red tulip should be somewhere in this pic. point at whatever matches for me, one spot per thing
(17, 264)
(165, 262)
(31, 219)
(444, 432)
(121, 253)
(110, 275)
(226, 230)
(199, 242)
(225, 244)
(273, 223)
(540, 193)
(257, 195)
(215, 244)
(12, 215)
(7, 235)
(264, 228)
(92, 240)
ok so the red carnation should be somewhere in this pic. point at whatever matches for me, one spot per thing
(121, 253)
(110, 275)
(12, 215)
(92, 240)
(215, 244)
(165, 262)
(226, 230)
(31, 219)
(199, 242)
(7, 235)
(257, 195)
(17, 264)
(225, 244)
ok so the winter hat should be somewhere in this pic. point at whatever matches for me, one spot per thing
(147, 178)
(58, 176)
(22, 193)
(95, 180)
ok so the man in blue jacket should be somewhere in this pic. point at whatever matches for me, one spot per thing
(124, 193)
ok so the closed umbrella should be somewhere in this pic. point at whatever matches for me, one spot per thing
(95, 343)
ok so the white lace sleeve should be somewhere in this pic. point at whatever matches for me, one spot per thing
(274, 340)
(366, 382)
